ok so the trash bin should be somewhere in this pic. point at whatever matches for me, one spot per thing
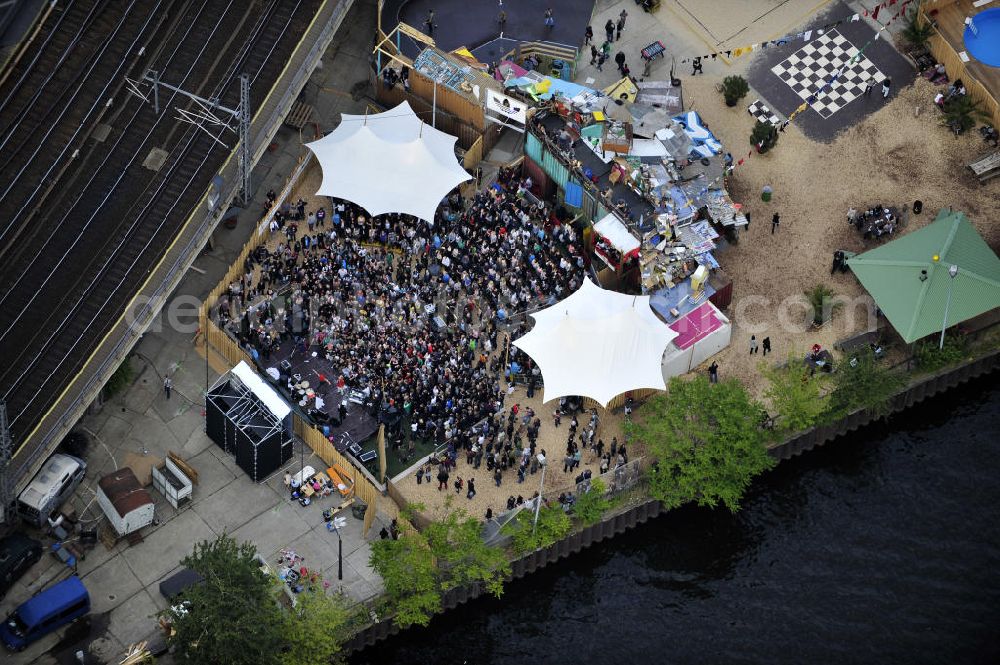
(358, 510)
(765, 194)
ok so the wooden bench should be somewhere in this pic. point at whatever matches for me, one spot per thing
(987, 166)
(341, 480)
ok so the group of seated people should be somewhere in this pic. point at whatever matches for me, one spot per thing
(874, 222)
(956, 89)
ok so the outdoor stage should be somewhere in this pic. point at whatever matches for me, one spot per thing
(474, 23)
(359, 424)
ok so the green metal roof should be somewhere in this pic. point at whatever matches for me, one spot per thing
(916, 307)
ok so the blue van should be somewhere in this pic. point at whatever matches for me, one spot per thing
(56, 606)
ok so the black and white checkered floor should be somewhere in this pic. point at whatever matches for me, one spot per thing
(808, 70)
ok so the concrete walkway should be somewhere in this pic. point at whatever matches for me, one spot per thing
(123, 582)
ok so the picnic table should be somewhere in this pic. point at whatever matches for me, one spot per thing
(987, 166)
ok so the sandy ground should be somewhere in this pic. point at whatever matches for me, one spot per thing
(895, 156)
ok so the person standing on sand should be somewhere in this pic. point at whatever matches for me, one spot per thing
(753, 344)
(766, 345)
(713, 372)
(774, 223)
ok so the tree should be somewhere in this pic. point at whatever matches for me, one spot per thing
(917, 32)
(764, 136)
(821, 300)
(733, 89)
(316, 627)
(410, 577)
(463, 557)
(232, 617)
(961, 113)
(863, 384)
(795, 395)
(706, 441)
(553, 525)
(591, 505)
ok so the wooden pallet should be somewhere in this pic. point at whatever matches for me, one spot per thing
(300, 115)
(188, 470)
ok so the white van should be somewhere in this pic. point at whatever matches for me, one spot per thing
(60, 475)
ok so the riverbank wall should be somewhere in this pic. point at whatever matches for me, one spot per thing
(632, 516)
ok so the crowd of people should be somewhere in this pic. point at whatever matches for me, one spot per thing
(406, 310)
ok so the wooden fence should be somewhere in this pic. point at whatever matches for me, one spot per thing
(945, 53)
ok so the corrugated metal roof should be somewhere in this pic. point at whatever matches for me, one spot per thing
(124, 491)
(911, 286)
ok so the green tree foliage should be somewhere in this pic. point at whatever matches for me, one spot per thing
(917, 32)
(961, 113)
(706, 440)
(553, 525)
(232, 617)
(590, 506)
(821, 300)
(795, 395)
(733, 89)
(407, 569)
(863, 385)
(930, 357)
(764, 136)
(121, 379)
(316, 628)
(461, 555)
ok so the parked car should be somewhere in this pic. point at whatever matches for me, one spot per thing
(18, 552)
(60, 604)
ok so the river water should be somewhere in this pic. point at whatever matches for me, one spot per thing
(881, 547)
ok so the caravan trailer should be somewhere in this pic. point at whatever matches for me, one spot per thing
(59, 477)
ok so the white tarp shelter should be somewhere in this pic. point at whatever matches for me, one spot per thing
(389, 162)
(598, 344)
(614, 231)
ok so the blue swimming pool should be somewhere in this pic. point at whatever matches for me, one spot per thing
(982, 38)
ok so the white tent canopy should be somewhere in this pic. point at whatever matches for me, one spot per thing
(599, 344)
(389, 162)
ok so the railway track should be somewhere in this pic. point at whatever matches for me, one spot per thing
(85, 242)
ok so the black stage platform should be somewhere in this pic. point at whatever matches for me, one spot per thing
(359, 424)
(472, 23)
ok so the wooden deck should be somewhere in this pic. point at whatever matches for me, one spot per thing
(950, 20)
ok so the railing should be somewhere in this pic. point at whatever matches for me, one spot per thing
(549, 51)
(322, 33)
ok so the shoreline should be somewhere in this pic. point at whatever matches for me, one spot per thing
(625, 518)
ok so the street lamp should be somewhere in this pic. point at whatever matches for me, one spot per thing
(952, 271)
(541, 486)
(337, 524)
